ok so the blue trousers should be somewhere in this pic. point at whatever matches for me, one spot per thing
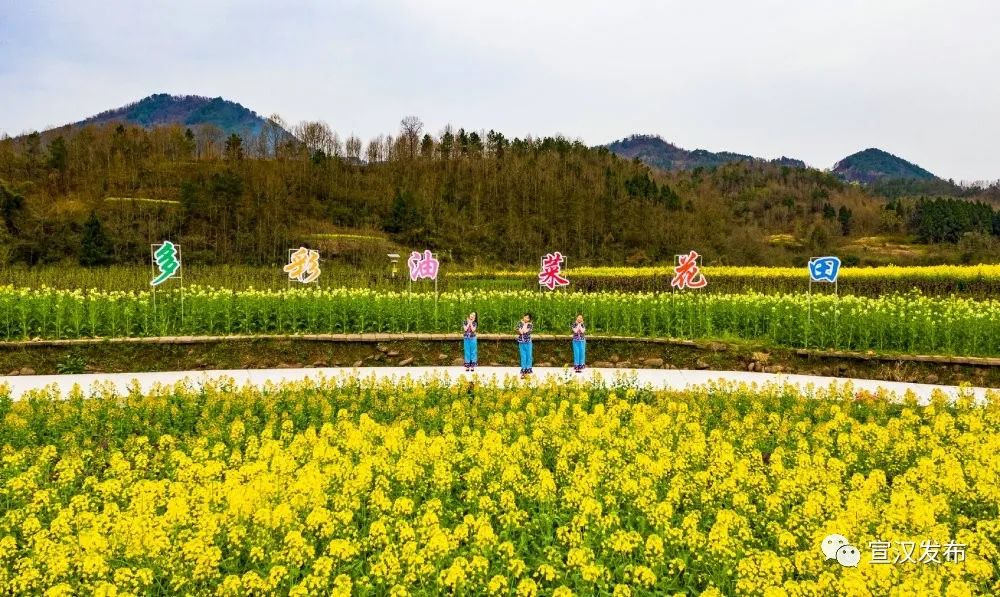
(471, 350)
(579, 352)
(525, 349)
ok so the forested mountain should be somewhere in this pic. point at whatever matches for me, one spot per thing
(654, 151)
(875, 165)
(889, 175)
(103, 193)
(162, 109)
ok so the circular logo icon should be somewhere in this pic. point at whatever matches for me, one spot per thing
(831, 544)
(848, 555)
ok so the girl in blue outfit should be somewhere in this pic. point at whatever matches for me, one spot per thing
(579, 344)
(469, 341)
(524, 329)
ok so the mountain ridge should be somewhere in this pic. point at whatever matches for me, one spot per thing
(163, 109)
(654, 151)
(876, 165)
(871, 166)
(868, 166)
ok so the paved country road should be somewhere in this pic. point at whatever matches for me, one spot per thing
(664, 378)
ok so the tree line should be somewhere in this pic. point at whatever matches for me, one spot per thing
(102, 194)
(946, 219)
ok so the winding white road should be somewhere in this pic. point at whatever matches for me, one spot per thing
(664, 378)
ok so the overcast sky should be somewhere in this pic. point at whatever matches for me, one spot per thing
(816, 79)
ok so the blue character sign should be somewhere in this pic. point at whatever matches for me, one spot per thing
(824, 269)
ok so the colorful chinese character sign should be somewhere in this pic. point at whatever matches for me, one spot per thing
(422, 266)
(303, 265)
(687, 273)
(166, 261)
(824, 269)
(551, 274)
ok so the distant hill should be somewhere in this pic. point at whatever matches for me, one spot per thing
(186, 110)
(874, 165)
(654, 151)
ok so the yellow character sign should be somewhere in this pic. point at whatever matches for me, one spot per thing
(303, 265)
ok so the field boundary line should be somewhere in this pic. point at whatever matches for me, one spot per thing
(357, 338)
(918, 358)
(371, 338)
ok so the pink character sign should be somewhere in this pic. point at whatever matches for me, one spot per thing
(550, 275)
(422, 266)
(687, 273)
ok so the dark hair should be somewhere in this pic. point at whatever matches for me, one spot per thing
(475, 316)
(528, 315)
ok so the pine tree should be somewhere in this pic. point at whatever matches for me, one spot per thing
(58, 154)
(845, 215)
(11, 206)
(404, 216)
(95, 249)
(669, 198)
(234, 147)
(427, 147)
(189, 143)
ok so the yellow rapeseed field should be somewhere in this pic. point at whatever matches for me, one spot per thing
(874, 274)
(973, 281)
(374, 488)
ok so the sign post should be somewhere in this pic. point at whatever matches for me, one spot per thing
(424, 266)
(550, 276)
(822, 270)
(687, 274)
(165, 263)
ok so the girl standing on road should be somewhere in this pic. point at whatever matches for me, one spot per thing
(469, 341)
(524, 329)
(579, 344)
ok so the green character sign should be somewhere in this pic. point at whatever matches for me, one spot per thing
(167, 262)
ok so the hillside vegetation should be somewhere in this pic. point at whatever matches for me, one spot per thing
(872, 165)
(654, 151)
(102, 194)
(161, 109)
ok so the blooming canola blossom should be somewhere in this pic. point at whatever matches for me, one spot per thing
(366, 487)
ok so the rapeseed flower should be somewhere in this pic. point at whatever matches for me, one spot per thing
(369, 488)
